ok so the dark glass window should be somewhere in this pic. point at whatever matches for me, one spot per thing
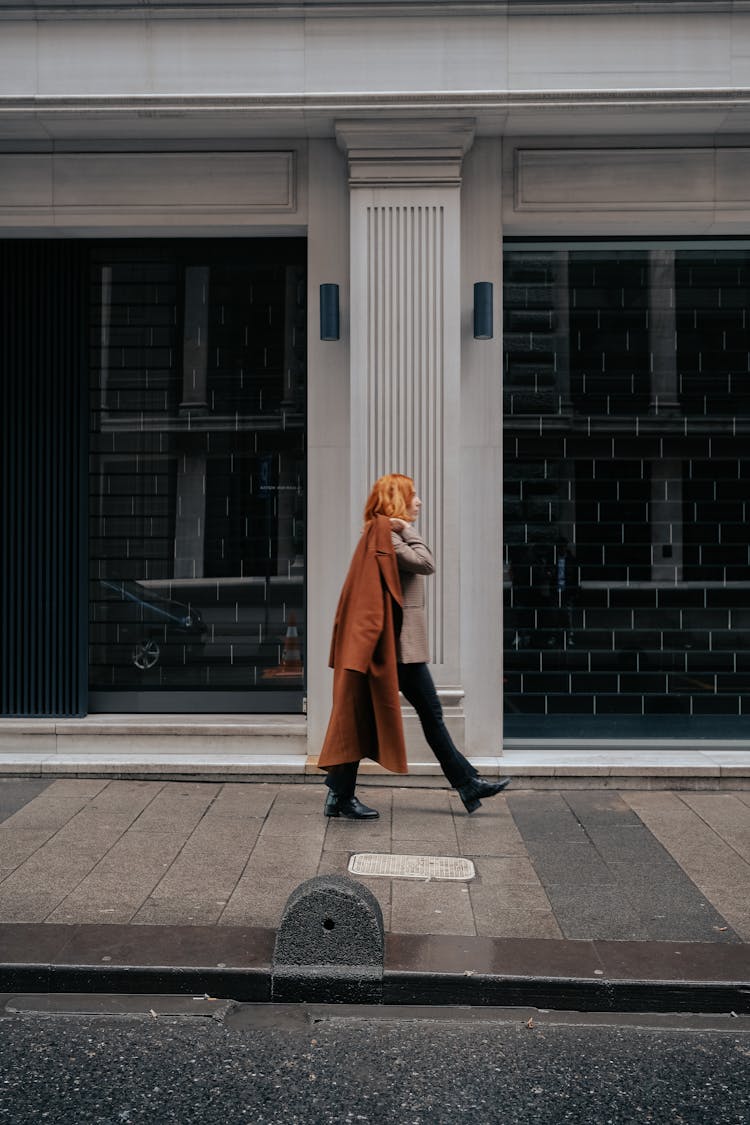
(627, 506)
(197, 542)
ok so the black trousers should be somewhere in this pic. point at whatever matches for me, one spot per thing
(417, 686)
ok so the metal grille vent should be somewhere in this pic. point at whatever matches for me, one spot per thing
(411, 866)
(43, 459)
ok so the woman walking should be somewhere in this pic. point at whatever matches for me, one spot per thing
(379, 647)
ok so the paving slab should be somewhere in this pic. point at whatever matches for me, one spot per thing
(632, 844)
(301, 798)
(713, 865)
(568, 862)
(424, 816)
(504, 871)
(199, 883)
(276, 866)
(56, 805)
(727, 815)
(17, 792)
(119, 883)
(584, 911)
(512, 910)
(541, 816)
(19, 844)
(38, 886)
(360, 835)
(668, 904)
(495, 834)
(241, 801)
(442, 908)
(284, 823)
(176, 806)
(601, 809)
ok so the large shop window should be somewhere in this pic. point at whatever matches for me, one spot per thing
(197, 491)
(627, 490)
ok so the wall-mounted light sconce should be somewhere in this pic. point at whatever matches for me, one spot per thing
(483, 310)
(329, 312)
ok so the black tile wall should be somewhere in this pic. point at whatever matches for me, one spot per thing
(627, 498)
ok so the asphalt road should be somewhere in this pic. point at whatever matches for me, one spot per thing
(287, 1066)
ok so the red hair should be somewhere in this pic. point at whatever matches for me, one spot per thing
(390, 496)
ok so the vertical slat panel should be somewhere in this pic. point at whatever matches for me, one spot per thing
(43, 633)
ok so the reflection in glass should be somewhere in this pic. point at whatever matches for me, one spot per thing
(197, 478)
(627, 538)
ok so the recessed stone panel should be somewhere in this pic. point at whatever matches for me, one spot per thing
(620, 179)
(144, 187)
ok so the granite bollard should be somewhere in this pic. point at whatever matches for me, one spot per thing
(330, 944)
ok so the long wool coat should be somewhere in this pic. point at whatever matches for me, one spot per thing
(366, 714)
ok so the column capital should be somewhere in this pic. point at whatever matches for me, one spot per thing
(420, 153)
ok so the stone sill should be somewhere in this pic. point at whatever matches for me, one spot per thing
(706, 771)
(177, 724)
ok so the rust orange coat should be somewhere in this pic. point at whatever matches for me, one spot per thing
(366, 714)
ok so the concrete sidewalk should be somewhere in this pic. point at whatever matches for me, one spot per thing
(630, 886)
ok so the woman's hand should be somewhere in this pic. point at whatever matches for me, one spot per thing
(397, 524)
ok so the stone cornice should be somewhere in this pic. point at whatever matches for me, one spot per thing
(43, 123)
(401, 103)
(284, 9)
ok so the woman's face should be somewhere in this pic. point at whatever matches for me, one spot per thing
(412, 508)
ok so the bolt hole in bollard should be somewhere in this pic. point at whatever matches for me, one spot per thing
(330, 946)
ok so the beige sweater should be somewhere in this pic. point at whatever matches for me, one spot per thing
(414, 560)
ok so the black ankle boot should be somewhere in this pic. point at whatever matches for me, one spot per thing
(349, 807)
(479, 787)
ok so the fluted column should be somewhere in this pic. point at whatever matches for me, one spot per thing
(404, 181)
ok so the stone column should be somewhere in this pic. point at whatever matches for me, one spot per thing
(405, 277)
(329, 535)
(482, 456)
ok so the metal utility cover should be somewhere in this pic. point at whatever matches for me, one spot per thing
(411, 866)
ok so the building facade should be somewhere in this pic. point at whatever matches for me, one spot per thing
(246, 254)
